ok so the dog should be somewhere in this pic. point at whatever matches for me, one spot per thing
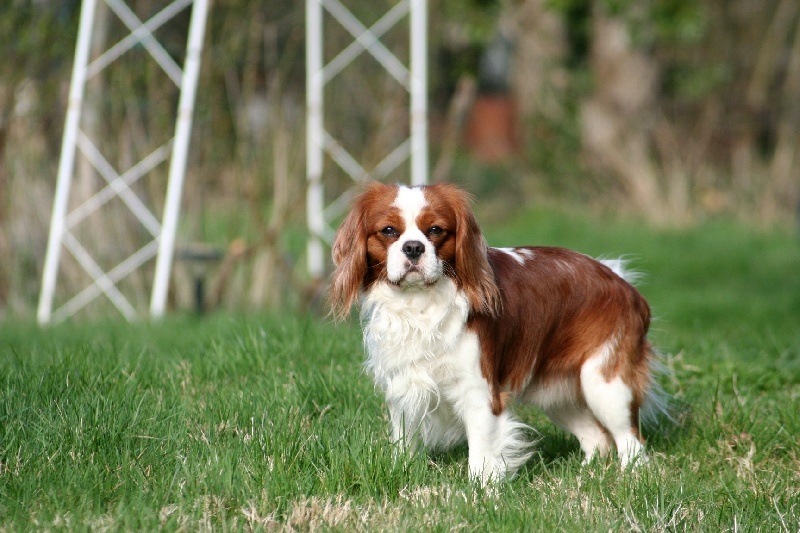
(455, 330)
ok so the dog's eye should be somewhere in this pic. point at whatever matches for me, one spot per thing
(389, 231)
(435, 230)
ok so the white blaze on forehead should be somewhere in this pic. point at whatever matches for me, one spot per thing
(410, 202)
(425, 269)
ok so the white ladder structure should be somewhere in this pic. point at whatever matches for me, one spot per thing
(318, 141)
(118, 185)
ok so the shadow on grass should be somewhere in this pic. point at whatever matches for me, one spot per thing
(556, 452)
(556, 449)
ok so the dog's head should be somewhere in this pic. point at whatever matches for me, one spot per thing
(411, 237)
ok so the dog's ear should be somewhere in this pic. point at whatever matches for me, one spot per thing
(473, 271)
(349, 254)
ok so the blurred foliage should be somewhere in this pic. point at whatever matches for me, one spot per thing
(718, 129)
(659, 23)
(476, 20)
(35, 35)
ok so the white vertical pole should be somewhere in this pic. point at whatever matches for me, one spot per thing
(314, 138)
(66, 161)
(180, 150)
(419, 85)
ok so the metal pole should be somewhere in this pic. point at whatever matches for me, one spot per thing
(314, 138)
(177, 169)
(66, 161)
(419, 85)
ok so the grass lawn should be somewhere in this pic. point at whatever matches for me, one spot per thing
(268, 423)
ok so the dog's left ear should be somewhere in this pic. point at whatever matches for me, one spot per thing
(473, 271)
(349, 252)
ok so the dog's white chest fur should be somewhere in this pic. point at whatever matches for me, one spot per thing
(411, 326)
(422, 358)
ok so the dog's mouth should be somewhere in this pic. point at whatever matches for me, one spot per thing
(416, 276)
(412, 276)
(414, 272)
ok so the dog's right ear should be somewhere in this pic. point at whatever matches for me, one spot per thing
(349, 254)
(473, 271)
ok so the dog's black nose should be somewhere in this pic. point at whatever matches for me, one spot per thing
(413, 249)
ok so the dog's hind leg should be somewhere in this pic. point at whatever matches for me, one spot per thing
(611, 401)
(580, 421)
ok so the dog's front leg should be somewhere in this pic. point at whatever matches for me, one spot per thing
(405, 429)
(482, 428)
(408, 405)
(497, 444)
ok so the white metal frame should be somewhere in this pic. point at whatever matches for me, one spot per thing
(319, 141)
(119, 185)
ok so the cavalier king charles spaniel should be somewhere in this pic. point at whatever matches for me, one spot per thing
(455, 330)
